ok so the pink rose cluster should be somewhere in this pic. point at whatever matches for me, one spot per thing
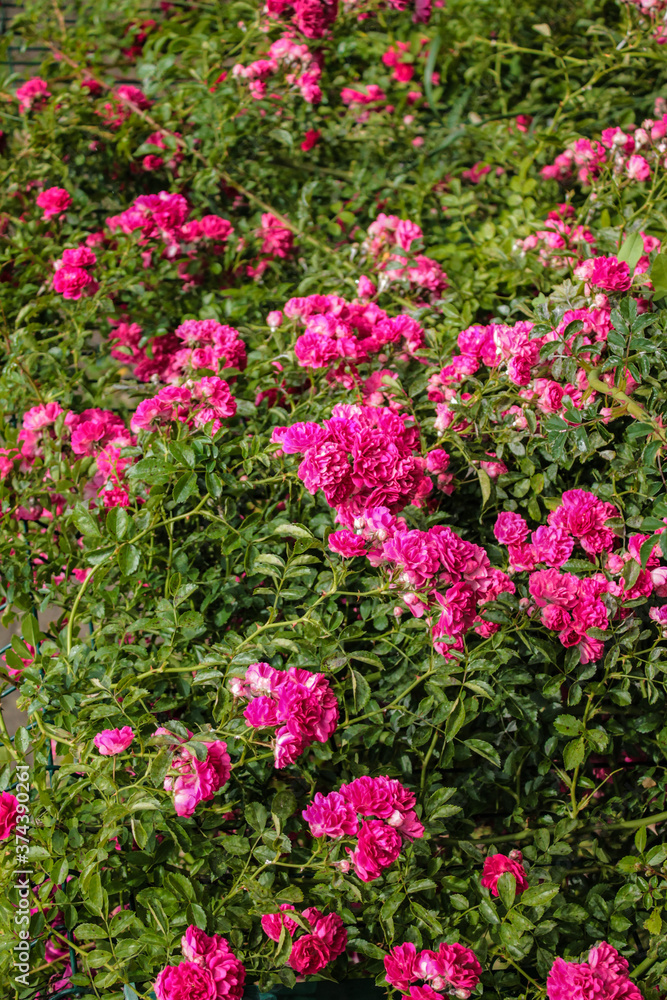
(436, 572)
(452, 969)
(192, 780)
(298, 704)
(515, 351)
(302, 70)
(95, 433)
(15, 673)
(312, 18)
(53, 202)
(604, 976)
(32, 94)
(568, 604)
(165, 217)
(388, 235)
(561, 241)
(197, 403)
(113, 741)
(211, 970)
(8, 814)
(194, 345)
(311, 952)
(72, 279)
(496, 865)
(124, 100)
(362, 457)
(339, 335)
(632, 152)
(379, 840)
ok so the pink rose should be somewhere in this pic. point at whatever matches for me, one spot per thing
(496, 865)
(556, 618)
(331, 815)
(346, 543)
(400, 966)
(602, 977)
(552, 546)
(550, 399)
(378, 846)
(510, 528)
(261, 712)
(54, 201)
(186, 981)
(272, 923)
(71, 282)
(638, 168)
(309, 954)
(79, 257)
(8, 816)
(214, 227)
(452, 967)
(519, 369)
(548, 586)
(331, 931)
(112, 741)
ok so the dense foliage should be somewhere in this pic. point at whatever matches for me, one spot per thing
(333, 429)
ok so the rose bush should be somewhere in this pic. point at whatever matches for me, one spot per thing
(332, 439)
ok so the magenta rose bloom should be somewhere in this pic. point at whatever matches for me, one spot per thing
(309, 954)
(452, 967)
(186, 981)
(346, 543)
(54, 201)
(261, 712)
(112, 741)
(8, 819)
(495, 865)
(272, 923)
(71, 282)
(331, 815)
(400, 966)
(378, 846)
(510, 528)
(330, 930)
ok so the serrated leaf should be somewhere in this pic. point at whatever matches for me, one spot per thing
(85, 521)
(631, 250)
(539, 895)
(485, 750)
(185, 486)
(573, 754)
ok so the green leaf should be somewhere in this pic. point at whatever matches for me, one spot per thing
(30, 630)
(573, 754)
(658, 274)
(129, 558)
(293, 530)
(22, 740)
(361, 690)
(507, 889)
(185, 486)
(234, 844)
(485, 750)
(428, 72)
(485, 484)
(94, 891)
(539, 895)
(631, 250)
(84, 520)
(257, 815)
(653, 924)
(117, 522)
